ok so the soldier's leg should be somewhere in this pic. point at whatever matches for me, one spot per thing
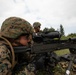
(24, 70)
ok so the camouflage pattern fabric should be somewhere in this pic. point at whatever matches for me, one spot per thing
(5, 64)
(14, 26)
(36, 24)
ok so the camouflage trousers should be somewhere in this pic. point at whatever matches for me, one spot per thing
(24, 70)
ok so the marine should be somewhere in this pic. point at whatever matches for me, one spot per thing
(15, 31)
(37, 26)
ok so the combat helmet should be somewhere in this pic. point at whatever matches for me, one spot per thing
(36, 24)
(13, 27)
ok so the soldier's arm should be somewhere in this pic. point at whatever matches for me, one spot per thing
(5, 64)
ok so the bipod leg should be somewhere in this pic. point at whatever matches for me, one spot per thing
(70, 64)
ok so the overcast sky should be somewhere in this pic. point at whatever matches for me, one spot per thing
(50, 13)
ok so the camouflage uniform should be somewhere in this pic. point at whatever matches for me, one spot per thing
(12, 28)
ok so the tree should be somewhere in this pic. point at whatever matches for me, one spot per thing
(48, 29)
(51, 29)
(61, 30)
(45, 29)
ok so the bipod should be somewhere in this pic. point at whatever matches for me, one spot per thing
(68, 70)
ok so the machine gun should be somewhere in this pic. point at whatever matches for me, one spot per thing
(46, 43)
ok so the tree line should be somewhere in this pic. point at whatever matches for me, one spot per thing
(61, 31)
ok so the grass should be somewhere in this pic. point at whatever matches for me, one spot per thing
(62, 52)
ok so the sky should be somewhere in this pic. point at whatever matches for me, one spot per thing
(50, 13)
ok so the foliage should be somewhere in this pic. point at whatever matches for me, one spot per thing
(72, 35)
(51, 29)
(61, 30)
(45, 29)
(48, 29)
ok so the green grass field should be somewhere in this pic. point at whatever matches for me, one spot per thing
(62, 52)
